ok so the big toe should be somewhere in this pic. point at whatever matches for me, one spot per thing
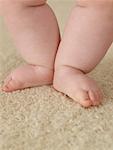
(96, 97)
(82, 97)
(10, 84)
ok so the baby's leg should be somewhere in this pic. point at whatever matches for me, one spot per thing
(35, 31)
(88, 35)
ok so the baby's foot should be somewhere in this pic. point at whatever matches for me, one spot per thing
(78, 86)
(27, 76)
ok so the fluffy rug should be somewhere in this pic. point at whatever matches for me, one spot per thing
(43, 119)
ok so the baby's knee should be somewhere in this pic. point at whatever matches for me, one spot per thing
(95, 3)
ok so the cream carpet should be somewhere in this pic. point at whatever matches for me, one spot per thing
(42, 119)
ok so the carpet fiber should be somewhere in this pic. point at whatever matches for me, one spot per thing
(43, 119)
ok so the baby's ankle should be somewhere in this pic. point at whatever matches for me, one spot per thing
(67, 69)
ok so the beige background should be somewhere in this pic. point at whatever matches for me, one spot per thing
(43, 119)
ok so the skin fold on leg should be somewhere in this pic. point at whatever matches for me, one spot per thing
(35, 32)
(87, 37)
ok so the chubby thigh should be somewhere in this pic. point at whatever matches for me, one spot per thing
(32, 2)
(24, 2)
(84, 3)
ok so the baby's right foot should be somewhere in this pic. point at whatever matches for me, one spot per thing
(26, 21)
(78, 86)
(27, 76)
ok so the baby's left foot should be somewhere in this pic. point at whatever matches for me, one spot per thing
(78, 86)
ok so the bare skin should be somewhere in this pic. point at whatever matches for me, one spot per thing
(27, 76)
(87, 37)
(35, 32)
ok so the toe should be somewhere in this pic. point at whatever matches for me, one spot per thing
(82, 98)
(95, 97)
(9, 85)
(7, 80)
(6, 87)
